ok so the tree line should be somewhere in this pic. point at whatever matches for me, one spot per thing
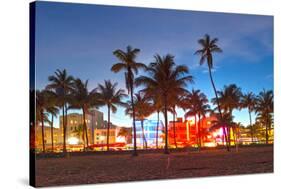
(163, 89)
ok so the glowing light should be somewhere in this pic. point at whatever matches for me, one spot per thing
(221, 132)
(210, 144)
(73, 140)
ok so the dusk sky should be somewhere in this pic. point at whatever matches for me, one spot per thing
(81, 38)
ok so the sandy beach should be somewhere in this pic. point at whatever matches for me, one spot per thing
(123, 167)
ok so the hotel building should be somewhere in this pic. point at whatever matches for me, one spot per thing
(150, 133)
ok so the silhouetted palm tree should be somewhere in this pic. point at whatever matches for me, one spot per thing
(225, 121)
(157, 106)
(110, 97)
(129, 65)
(61, 83)
(79, 132)
(248, 101)
(53, 110)
(208, 47)
(165, 78)
(83, 99)
(229, 99)
(41, 115)
(196, 104)
(143, 108)
(264, 108)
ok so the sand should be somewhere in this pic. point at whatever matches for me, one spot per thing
(75, 170)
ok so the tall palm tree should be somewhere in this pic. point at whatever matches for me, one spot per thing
(264, 108)
(129, 65)
(157, 107)
(208, 47)
(196, 104)
(83, 99)
(248, 101)
(143, 108)
(53, 110)
(110, 97)
(79, 132)
(62, 84)
(225, 121)
(174, 101)
(165, 78)
(203, 109)
(229, 99)
(41, 115)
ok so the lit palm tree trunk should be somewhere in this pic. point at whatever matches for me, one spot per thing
(174, 128)
(157, 128)
(196, 126)
(217, 99)
(199, 131)
(85, 127)
(266, 128)
(143, 135)
(108, 126)
(252, 133)
(166, 125)
(42, 127)
(66, 123)
(64, 129)
(52, 132)
(133, 108)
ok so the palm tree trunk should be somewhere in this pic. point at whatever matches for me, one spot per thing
(85, 127)
(157, 128)
(219, 108)
(143, 135)
(251, 126)
(66, 125)
(108, 126)
(196, 126)
(64, 130)
(266, 129)
(52, 132)
(174, 128)
(199, 131)
(93, 131)
(166, 151)
(134, 124)
(42, 127)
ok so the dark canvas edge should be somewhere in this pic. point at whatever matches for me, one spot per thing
(32, 94)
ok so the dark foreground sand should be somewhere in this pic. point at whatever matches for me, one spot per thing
(124, 167)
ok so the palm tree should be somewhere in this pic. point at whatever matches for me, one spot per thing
(196, 104)
(129, 65)
(174, 101)
(208, 48)
(53, 110)
(264, 108)
(203, 109)
(83, 99)
(143, 108)
(225, 121)
(62, 84)
(79, 132)
(157, 106)
(124, 132)
(110, 97)
(41, 107)
(229, 99)
(248, 101)
(165, 78)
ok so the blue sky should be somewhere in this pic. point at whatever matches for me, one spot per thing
(81, 38)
